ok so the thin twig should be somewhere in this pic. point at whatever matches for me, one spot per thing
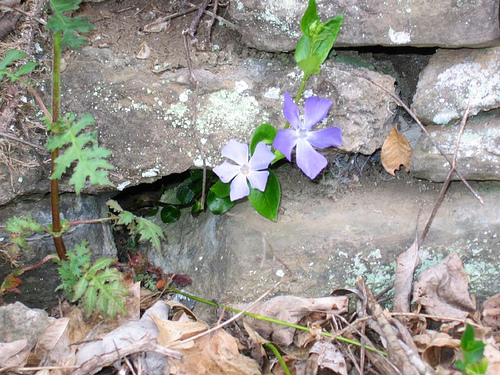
(447, 182)
(218, 18)
(39, 20)
(196, 21)
(419, 123)
(13, 138)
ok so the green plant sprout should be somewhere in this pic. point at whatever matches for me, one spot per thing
(473, 361)
(72, 145)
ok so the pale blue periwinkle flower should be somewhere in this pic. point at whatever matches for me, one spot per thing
(308, 159)
(244, 169)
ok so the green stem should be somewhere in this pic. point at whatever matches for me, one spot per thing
(301, 88)
(280, 358)
(276, 321)
(54, 184)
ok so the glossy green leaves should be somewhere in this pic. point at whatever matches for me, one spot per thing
(473, 361)
(267, 203)
(318, 39)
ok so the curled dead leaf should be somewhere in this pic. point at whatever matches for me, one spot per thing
(14, 353)
(437, 348)
(323, 355)
(443, 289)
(491, 311)
(396, 151)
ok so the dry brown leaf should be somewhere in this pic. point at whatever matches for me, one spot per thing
(157, 26)
(323, 355)
(291, 309)
(171, 332)
(53, 346)
(144, 52)
(443, 289)
(216, 354)
(405, 267)
(491, 311)
(437, 348)
(14, 353)
(492, 354)
(396, 151)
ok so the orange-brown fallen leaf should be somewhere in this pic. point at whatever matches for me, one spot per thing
(396, 151)
(215, 354)
(443, 289)
(325, 355)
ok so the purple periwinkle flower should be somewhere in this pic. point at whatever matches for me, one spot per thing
(244, 169)
(309, 160)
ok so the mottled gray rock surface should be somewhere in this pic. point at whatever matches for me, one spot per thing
(273, 25)
(452, 78)
(478, 157)
(21, 322)
(327, 242)
(146, 119)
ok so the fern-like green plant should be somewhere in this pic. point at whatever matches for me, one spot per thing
(99, 287)
(79, 147)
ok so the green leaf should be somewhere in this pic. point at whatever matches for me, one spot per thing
(303, 49)
(196, 208)
(311, 65)
(218, 205)
(196, 174)
(326, 38)
(220, 189)
(185, 194)
(80, 289)
(101, 264)
(26, 68)
(11, 56)
(81, 148)
(149, 231)
(477, 368)
(170, 214)
(309, 17)
(267, 203)
(89, 300)
(69, 27)
(263, 133)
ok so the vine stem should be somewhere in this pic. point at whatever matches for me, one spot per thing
(54, 183)
(276, 321)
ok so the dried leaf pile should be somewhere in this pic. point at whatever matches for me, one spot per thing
(311, 336)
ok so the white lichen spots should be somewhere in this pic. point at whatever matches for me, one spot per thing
(20, 179)
(399, 37)
(375, 254)
(308, 93)
(123, 185)
(478, 83)
(272, 93)
(184, 96)
(239, 5)
(153, 172)
(280, 273)
(445, 116)
(203, 141)
(240, 86)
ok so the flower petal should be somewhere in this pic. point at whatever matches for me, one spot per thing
(236, 151)
(330, 137)
(261, 157)
(285, 141)
(310, 161)
(258, 179)
(239, 187)
(315, 110)
(291, 112)
(227, 171)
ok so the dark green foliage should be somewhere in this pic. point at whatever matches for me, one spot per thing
(267, 203)
(11, 56)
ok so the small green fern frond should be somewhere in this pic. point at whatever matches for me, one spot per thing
(80, 147)
(70, 27)
(20, 228)
(11, 56)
